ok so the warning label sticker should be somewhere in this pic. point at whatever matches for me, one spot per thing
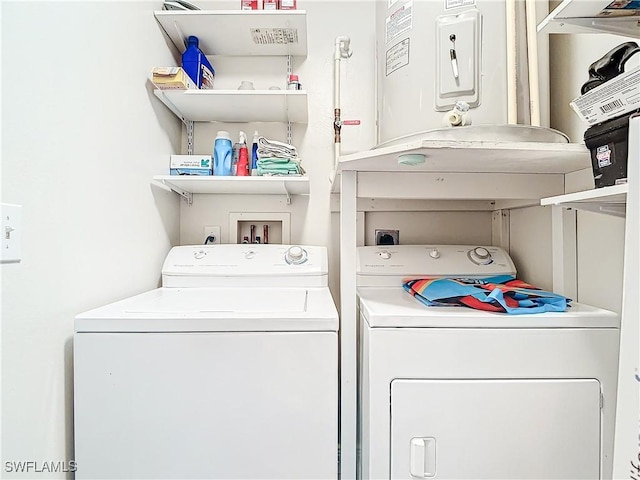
(399, 22)
(397, 56)
(274, 36)
(603, 156)
(449, 4)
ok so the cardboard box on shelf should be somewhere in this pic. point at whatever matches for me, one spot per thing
(616, 97)
(190, 165)
(171, 78)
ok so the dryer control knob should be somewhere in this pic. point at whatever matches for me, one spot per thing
(434, 253)
(480, 255)
(295, 255)
(384, 255)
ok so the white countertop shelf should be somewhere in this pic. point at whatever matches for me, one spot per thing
(237, 105)
(465, 170)
(238, 32)
(472, 157)
(583, 16)
(608, 200)
(264, 185)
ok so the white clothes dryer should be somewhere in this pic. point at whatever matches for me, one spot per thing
(229, 371)
(457, 393)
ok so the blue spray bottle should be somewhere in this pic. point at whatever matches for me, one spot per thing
(254, 154)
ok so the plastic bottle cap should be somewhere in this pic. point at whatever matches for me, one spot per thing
(192, 40)
(223, 134)
(293, 78)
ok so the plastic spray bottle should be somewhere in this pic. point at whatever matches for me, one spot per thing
(254, 154)
(243, 157)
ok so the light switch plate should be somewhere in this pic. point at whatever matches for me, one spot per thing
(11, 233)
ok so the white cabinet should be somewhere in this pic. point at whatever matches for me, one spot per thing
(237, 33)
(474, 175)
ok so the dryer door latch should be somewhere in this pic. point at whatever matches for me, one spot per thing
(423, 457)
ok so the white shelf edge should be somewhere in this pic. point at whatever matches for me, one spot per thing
(613, 194)
(471, 157)
(627, 27)
(606, 200)
(573, 16)
(262, 185)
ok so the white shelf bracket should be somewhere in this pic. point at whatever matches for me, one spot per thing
(163, 98)
(613, 209)
(286, 192)
(187, 196)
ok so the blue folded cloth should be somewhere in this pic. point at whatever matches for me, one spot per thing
(503, 293)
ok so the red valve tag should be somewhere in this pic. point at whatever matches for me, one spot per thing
(351, 122)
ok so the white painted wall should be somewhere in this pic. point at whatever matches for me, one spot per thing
(82, 135)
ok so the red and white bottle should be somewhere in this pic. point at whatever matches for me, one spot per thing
(242, 169)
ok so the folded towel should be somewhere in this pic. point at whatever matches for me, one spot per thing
(272, 148)
(503, 293)
(279, 166)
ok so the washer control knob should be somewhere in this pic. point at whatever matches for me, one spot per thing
(384, 255)
(295, 255)
(434, 253)
(480, 255)
(200, 254)
(250, 254)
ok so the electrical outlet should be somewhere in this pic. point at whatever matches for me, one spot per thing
(387, 237)
(211, 231)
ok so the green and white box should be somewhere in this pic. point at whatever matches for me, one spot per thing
(191, 165)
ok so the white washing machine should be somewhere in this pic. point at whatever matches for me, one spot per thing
(457, 393)
(230, 370)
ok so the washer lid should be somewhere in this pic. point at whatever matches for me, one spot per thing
(216, 310)
(394, 307)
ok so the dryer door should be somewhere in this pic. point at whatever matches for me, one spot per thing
(495, 429)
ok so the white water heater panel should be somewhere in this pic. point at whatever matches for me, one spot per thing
(458, 39)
